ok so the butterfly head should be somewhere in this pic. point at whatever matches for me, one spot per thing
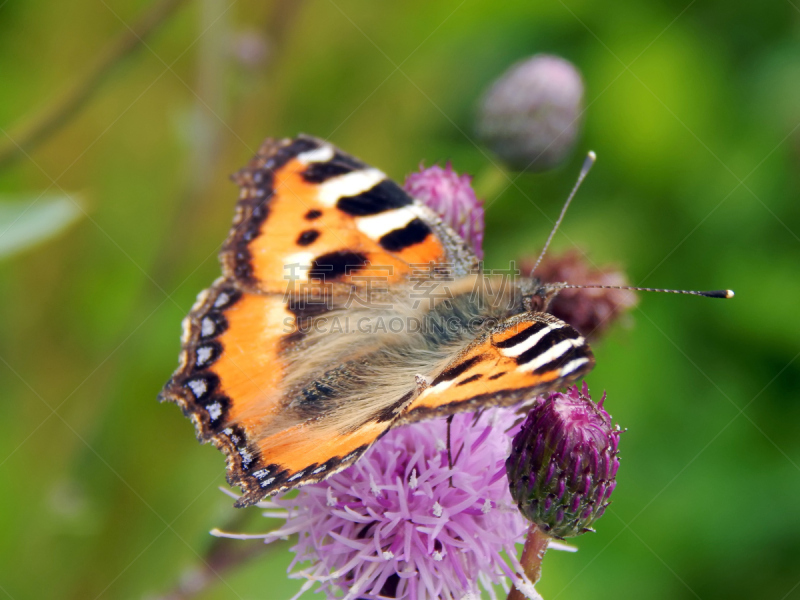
(537, 295)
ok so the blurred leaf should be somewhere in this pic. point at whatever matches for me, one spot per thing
(25, 223)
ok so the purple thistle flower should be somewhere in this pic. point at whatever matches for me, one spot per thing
(392, 525)
(563, 463)
(451, 196)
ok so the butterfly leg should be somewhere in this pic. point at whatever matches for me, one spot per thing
(449, 452)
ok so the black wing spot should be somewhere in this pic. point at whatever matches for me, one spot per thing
(413, 233)
(335, 265)
(308, 237)
(313, 214)
(386, 195)
(497, 375)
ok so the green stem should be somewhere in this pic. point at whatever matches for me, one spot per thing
(532, 554)
(223, 556)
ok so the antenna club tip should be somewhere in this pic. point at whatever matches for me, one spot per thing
(718, 294)
(587, 164)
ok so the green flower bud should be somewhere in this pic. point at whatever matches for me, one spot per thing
(563, 463)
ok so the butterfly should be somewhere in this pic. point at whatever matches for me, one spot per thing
(346, 308)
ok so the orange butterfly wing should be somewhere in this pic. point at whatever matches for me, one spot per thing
(309, 213)
(312, 218)
(524, 356)
(231, 366)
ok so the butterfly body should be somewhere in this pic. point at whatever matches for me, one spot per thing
(347, 308)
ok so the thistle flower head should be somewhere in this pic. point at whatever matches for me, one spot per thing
(451, 196)
(393, 525)
(530, 116)
(563, 463)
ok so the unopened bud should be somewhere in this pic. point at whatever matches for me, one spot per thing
(531, 116)
(563, 463)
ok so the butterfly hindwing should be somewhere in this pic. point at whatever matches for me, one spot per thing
(230, 364)
(524, 356)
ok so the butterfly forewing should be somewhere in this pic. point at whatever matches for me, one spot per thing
(310, 213)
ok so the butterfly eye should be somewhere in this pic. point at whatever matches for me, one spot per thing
(535, 296)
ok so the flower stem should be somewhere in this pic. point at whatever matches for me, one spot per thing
(532, 554)
(222, 557)
(52, 117)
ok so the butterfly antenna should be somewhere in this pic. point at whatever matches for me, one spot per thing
(587, 165)
(708, 294)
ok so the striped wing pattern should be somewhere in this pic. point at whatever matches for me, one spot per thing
(527, 355)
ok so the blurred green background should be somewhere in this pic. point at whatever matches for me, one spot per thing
(694, 111)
